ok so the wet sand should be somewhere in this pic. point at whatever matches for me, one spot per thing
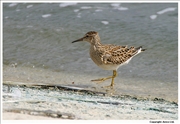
(123, 86)
(40, 101)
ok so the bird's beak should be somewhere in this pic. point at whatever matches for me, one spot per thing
(81, 39)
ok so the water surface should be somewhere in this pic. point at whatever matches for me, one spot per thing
(37, 44)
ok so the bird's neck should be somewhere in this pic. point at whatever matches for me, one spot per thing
(96, 42)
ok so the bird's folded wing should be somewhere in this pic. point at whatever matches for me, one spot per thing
(112, 54)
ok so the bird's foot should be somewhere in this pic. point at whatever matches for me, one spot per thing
(109, 87)
(99, 80)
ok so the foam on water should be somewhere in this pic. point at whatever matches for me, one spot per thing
(46, 15)
(162, 12)
(12, 4)
(98, 10)
(118, 7)
(76, 10)
(153, 17)
(105, 22)
(29, 6)
(115, 4)
(122, 8)
(67, 4)
(86, 7)
(166, 10)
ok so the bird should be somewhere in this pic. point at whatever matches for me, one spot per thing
(108, 56)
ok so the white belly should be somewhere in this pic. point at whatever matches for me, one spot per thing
(113, 67)
(109, 67)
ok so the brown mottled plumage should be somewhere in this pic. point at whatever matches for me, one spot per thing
(109, 57)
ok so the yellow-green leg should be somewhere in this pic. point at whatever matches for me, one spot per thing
(103, 79)
(112, 82)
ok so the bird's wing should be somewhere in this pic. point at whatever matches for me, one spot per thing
(112, 54)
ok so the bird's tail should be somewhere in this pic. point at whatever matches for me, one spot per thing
(138, 48)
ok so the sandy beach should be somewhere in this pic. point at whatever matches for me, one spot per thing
(32, 101)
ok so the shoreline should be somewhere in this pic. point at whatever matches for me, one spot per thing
(67, 102)
(123, 85)
(83, 90)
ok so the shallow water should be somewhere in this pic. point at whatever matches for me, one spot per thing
(37, 44)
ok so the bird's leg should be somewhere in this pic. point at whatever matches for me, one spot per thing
(112, 82)
(103, 79)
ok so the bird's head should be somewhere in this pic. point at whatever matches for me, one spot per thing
(90, 37)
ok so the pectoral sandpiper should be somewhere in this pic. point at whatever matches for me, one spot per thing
(108, 57)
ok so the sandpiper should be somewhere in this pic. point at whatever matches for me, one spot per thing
(108, 56)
